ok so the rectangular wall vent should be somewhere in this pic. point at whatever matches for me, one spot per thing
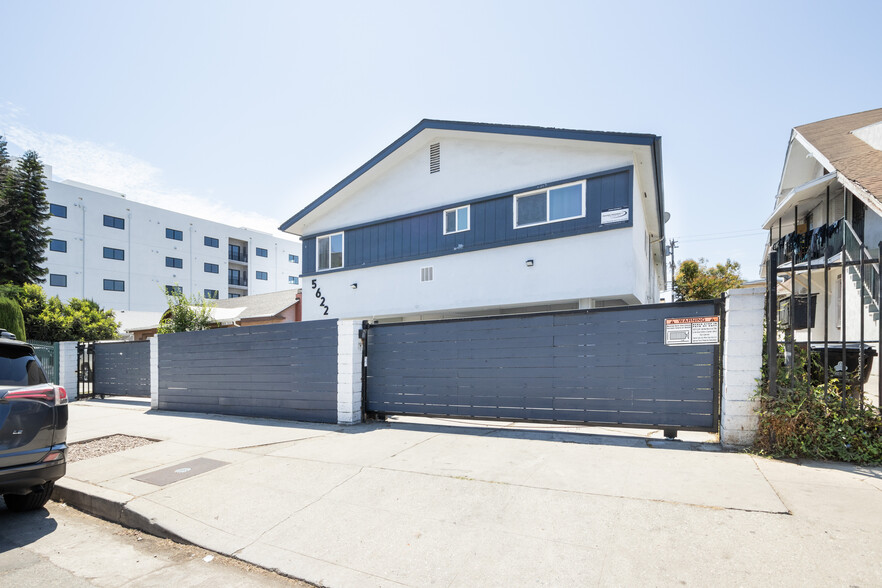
(434, 158)
(427, 274)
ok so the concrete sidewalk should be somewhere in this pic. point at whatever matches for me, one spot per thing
(428, 504)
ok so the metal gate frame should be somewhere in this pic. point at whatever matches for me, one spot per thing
(85, 370)
(717, 366)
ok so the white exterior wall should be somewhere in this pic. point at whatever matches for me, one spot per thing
(146, 247)
(584, 266)
(470, 168)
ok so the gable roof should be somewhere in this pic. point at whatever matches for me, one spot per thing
(652, 141)
(849, 155)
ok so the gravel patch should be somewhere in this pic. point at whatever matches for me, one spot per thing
(104, 446)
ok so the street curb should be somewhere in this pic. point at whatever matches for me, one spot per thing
(109, 505)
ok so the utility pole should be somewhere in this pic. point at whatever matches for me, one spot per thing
(672, 245)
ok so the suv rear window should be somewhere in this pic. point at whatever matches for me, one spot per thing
(18, 367)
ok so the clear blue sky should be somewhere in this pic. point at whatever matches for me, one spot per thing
(246, 111)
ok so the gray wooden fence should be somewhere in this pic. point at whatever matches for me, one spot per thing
(285, 371)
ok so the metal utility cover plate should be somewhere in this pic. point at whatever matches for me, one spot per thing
(179, 472)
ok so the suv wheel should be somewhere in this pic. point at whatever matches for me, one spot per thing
(32, 501)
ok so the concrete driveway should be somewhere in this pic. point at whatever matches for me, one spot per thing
(433, 504)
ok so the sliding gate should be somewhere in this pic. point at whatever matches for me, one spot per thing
(642, 366)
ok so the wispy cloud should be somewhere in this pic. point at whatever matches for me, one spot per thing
(110, 168)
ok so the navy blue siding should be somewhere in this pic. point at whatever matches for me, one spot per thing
(420, 236)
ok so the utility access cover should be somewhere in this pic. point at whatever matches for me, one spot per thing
(179, 472)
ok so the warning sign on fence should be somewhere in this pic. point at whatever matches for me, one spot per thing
(699, 330)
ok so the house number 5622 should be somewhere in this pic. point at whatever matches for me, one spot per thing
(318, 294)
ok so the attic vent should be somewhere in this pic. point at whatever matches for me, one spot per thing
(434, 158)
(427, 274)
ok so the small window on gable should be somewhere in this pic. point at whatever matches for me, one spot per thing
(456, 220)
(329, 251)
(550, 205)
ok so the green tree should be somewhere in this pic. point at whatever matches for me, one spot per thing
(185, 314)
(4, 160)
(695, 280)
(11, 318)
(23, 215)
(49, 319)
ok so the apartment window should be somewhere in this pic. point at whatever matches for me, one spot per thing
(111, 253)
(456, 220)
(58, 210)
(294, 258)
(174, 234)
(174, 262)
(58, 280)
(211, 242)
(212, 294)
(261, 252)
(115, 285)
(114, 222)
(212, 268)
(329, 251)
(551, 205)
(235, 278)
(234, 295)
(174, 290)
(58, 245)
(261, 275)
(237, 253)
(293, 280)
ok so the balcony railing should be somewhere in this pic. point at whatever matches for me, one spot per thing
(831, 241)
(240, 281)
(240, 256)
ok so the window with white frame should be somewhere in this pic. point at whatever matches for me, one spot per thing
(550, 205)
(456, 220)
(329, 251)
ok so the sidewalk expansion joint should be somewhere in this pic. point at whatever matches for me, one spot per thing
(246, 447)
(601, 494)
(772, 486)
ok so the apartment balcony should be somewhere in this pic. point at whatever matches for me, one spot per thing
(240, 256)
(241, 281)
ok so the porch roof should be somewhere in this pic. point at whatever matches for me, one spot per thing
(807, 195)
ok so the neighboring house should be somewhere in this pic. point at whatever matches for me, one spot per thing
(124, 255)
(246, 311)
(467, 219)
(829, 206)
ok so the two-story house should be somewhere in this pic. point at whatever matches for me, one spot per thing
(825, 231)
(459, 219)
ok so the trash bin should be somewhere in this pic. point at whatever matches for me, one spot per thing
(852, 359)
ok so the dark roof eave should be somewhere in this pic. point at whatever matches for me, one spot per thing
(650, 140)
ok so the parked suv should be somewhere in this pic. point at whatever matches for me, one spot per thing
(33, 427)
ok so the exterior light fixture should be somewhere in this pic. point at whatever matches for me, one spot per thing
(529, 263)
(354, 285)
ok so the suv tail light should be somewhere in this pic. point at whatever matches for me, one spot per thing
(42, 392)
(60, 395)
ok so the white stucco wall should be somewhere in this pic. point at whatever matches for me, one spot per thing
(595, 265)
(471, 168)
(146, 247)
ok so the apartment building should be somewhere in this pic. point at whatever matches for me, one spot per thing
(126, 255)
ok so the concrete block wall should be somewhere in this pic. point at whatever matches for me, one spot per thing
(742, 365)
(154, 372)
(67, 367)
(349, 358)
